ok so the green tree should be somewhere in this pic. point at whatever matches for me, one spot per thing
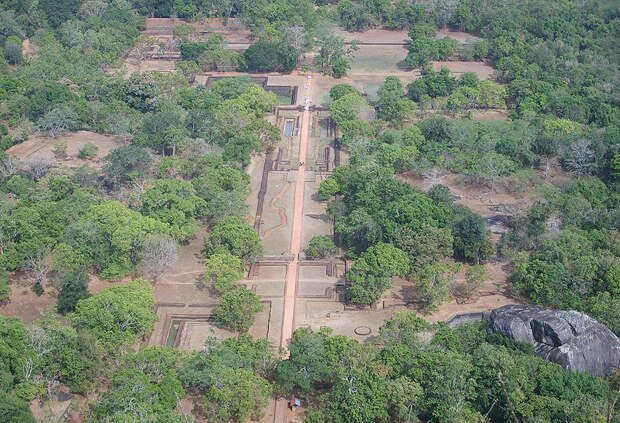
(13, 50)
(116, 117)
(615, 167)
(237, 309)
(242, 352)
(237, 395)
(432, 84)
(397, 157)
(308, 365)
(424, 246)
(363, 398)
(73, 288)
(328, 188)
(14, 410)
(424, 49)
(135, 395)
(58, 121)
(340, 90)
(346, 108)
(320, 246)
(222, 271)
(445, 377)
(5, 289)
(433, 284)
(189, 69)
(15, 352)
(47, 98)
(111, 236)
(354, 17)
(70, 356)
(404, 398)
(59, 11)
(126, 163)
(163, 129)
(174, 202)
(391, 105)
(471, 238)
(234, 236)
(268, 56)
(334, 56)
(117, 316)
(372, 273)
(267, 134)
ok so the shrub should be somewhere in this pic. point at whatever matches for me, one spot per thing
(38, 289)
(29, 390)
(15, 410)
(60, 148)
(88, 151)
(5, 289)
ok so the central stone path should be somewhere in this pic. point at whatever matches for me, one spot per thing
(292, 271)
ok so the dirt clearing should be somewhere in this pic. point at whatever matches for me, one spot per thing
(41, 147)
(457, 68)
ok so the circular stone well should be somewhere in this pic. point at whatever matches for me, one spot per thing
(362, 330)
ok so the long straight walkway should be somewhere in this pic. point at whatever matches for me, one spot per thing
(292, 271)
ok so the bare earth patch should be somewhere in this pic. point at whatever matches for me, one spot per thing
(41, 147)
(460, 36)
(26, 305)
(386, 36)
(457, 68)
(491, 295)
(29, 50)
(375, 35)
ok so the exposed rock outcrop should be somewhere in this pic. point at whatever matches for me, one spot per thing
(569, 338)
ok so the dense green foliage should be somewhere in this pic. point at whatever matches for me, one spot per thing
(575, 263)
(230, 375)
(440, 90)
(145, 387)
(394, 229)
(73, 288)
(525, 46)
(455, 378)
(15, 410)
(266, 56)
(118, 315)
(5, 289)
(424, 49)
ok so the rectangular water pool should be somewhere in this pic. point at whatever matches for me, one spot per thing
(288, 128)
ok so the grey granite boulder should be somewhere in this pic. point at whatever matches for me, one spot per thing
(569, 338)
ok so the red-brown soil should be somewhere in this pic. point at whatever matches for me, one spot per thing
(41, 147)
